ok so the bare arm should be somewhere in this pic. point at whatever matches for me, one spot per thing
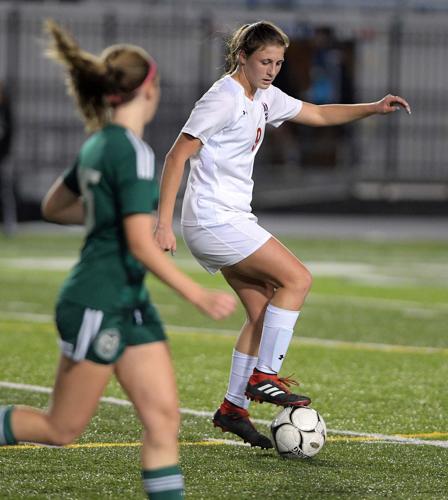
(173, 170)
(61, 205)
(139, 234)
(338, 114)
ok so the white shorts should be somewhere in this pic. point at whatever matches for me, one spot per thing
(225, 244)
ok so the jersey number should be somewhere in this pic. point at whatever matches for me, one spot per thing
(257, 138)
(88, 177)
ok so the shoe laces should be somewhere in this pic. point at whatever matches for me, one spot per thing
(288, 381)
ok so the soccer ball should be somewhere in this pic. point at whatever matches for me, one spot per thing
(298, 432)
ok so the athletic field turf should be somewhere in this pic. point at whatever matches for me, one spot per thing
(371, 349)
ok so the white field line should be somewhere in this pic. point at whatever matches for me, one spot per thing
(359, 271)
(405, 306)
(353, 270)
(208, 414)
(312, 341)
(32, 317)
(368, 346)
(378, 303)
(327, 268)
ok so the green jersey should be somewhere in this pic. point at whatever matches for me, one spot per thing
(114, 174)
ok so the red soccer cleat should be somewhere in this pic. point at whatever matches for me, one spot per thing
(270, 388)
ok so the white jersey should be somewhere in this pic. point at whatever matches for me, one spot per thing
(231, 128)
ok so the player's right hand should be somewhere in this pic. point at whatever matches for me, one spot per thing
(217, 305)
(165, 238)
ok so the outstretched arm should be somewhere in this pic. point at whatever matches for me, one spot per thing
(173, 169)
(338, 114)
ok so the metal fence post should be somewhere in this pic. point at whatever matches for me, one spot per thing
(7, 170)
(395, 40)
(109, 29)
(205, 55)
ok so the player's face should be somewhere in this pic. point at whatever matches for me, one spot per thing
(263, 65)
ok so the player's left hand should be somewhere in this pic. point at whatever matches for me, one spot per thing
(392, 103)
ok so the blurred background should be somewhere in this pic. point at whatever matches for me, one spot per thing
(341, 51)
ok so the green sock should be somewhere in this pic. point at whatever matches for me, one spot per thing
(166, 483)
(6, 435)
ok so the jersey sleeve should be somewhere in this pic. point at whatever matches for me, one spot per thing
(70, 178)
(283, 107)
(138, 190)
(211, 114)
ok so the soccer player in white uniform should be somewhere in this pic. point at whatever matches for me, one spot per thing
(221, 138)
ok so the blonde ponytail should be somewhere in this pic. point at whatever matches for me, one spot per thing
(97, 83)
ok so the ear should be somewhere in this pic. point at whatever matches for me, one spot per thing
(242, 58)
(150, 90)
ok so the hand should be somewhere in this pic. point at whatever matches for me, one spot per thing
(392, 103)
(165, 238)
(217, 305)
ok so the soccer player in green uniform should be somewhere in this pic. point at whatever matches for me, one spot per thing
(104, 316)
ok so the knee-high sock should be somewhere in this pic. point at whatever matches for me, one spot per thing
(6, 435)
(166, 483)
(278, 328)
(242, 367)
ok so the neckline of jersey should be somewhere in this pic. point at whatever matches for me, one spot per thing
(122, 127)
(117, 125)
(241, 89)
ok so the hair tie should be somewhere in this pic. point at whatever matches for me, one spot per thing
(114, 98)
(152, 71)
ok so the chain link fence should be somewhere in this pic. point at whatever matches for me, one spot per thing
(334, 57)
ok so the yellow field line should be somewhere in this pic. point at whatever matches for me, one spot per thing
(103, 445)
(430, 435)
(423, 435)
(211, 443)
(352, 438)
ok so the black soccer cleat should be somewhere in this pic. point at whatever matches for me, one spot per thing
(238, 423)
(269, 388)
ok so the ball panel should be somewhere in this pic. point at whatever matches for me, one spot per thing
(286, 438)
(312, 443)
(283, 417)
(322, 426)
(305, 419)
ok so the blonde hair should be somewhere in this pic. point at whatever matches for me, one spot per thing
(98, 83)
(251, 37)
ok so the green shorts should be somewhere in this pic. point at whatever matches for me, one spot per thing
(102, 336)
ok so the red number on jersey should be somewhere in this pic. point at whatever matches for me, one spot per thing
(257, 138)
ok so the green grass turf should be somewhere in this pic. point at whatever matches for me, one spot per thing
(356, 387)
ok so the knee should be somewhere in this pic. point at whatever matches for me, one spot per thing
(306, 280)
(300, 281)
(163, 422)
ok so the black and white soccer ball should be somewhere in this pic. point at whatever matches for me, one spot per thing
(298, 432)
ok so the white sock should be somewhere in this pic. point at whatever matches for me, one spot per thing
(242, 367)
(278, 327)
